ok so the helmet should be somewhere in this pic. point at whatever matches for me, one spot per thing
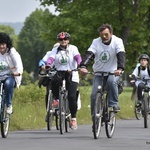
(144, 56)
(63, 35)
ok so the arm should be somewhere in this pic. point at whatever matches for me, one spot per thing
(78, 59)
(121, 60)
(87, 59)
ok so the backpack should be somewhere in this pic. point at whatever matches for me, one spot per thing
(148, 68)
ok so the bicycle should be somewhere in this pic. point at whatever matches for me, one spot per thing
(4, 116)
(137, 110)
(102, 112)
(51, 111)
(145, 106)
(64, 111)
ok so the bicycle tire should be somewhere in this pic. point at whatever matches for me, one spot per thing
(50, 113)
(137, 111)
(68, 115)
(110, 124)
(5, 122)
(57, 119)
(62, 113)
(145, 111)
(97, 116)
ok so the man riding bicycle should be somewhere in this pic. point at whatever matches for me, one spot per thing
(108, 53)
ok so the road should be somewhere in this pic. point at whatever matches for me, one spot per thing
(129, 135)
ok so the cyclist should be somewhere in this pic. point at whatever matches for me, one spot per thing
(45, 81)
(142, 70)
(10, 62)
(66, 57)
(108, 53)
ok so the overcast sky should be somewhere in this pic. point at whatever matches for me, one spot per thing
(18, 10)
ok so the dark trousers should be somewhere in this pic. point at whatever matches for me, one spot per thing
(141, 86)
(72, 90)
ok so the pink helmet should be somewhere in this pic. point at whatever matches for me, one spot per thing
(63, 35)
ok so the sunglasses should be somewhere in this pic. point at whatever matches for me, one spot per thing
(106, 35)
(63, 39)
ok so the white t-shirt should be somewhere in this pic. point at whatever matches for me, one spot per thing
(142, 74)
(64, 60)
(105, 55)
(4, 67)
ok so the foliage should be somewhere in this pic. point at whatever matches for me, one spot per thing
(26, 78)
(10, 31)
(29, 107)
(130, 20)
(31, 45)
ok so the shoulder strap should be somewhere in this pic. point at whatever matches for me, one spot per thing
(148, 69)
(139, 70)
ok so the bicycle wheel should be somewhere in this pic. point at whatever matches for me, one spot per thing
(62, 114)
(97, 116)
(145, 111)
(110, 124)
(50, 113)
(137, 110)
(5, 121)
(68, 116)
(57, 118)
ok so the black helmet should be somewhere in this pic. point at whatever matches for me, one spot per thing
(144, 56)
(63, 35)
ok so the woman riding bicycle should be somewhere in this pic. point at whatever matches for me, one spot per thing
(10, 62)
(66, 57)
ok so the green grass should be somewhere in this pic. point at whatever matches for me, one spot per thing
(29, 107)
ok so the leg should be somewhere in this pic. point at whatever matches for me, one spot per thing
(139, 90)
(96, 83)
(112, 84)
(9, 85)
(72, 88)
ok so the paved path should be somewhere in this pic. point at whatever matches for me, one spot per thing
(129, 135)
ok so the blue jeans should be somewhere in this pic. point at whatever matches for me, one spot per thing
(112, 88)
(9, 85)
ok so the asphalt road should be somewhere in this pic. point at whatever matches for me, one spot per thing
(129, 135)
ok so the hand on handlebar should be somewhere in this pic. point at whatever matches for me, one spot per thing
(83, 71)
(118, 72)
(16, 74)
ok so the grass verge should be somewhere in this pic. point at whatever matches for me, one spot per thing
(29, 107)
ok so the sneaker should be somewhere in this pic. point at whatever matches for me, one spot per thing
(73, 124)
(139, 103)
(9, 109)
(116, 109)
(55, 103)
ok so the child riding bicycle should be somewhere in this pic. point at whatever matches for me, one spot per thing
(141, 71)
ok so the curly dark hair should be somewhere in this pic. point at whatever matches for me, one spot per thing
(4, 38)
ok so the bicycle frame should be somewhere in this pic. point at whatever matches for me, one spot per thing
(146, 102)
(101, 111)
(145, 108)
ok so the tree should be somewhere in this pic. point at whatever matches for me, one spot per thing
(11, 32)
(32, 44)
(130, 20)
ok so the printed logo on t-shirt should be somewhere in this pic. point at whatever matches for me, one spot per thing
(104, 57)
(3, 65)
(63, 59)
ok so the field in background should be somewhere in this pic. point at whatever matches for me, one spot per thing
(29, 107)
